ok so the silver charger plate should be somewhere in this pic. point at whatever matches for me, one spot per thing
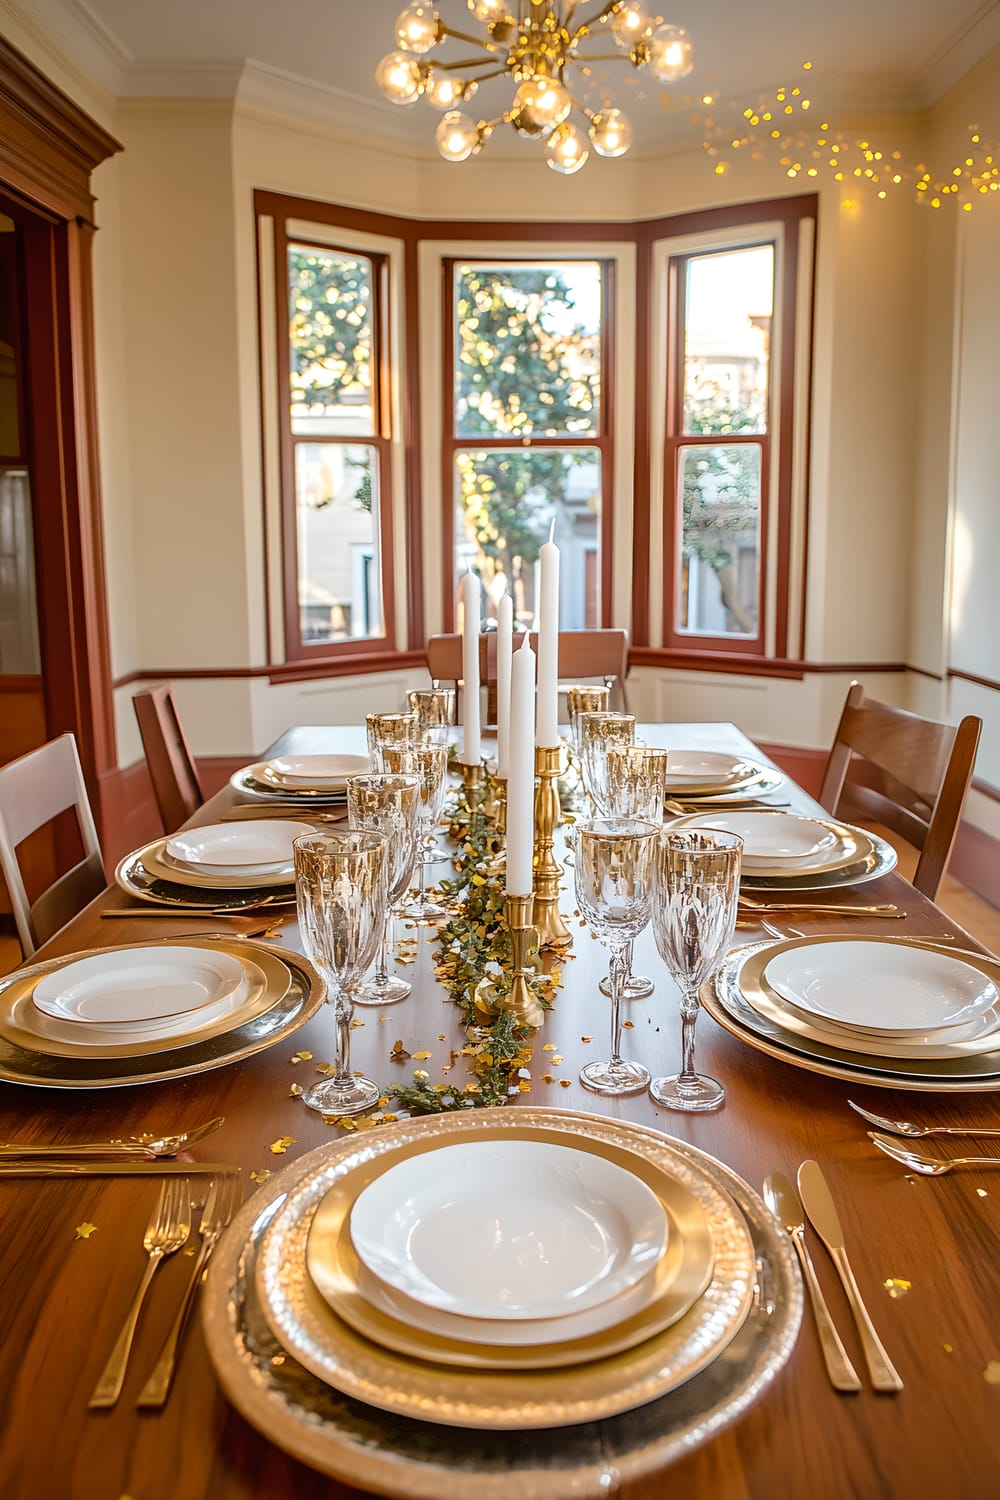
(416, 1460)
(301, 1000)
(133, 877)
(879, 861)
(723, 999)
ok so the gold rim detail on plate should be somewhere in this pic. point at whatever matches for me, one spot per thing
(151, 857)
(248, 784)
(269, 980)
(767, 780)
(681, 1276)
(723, 999)
(421, 1389)
(875, 857)
(302, 993)
(377, 1453)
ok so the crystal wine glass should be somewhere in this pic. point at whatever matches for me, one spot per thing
(382, 729)
(340, 889)
(614, 883)
(435, 711)
(599, 733)
(635, 781)
(581, 699)
(388, 805)
(696, 889)
(429, 763)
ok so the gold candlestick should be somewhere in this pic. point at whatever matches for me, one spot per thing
(526, 1008)
(472, 780)
(552, 930)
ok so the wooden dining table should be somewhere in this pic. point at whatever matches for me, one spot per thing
(926, 1250)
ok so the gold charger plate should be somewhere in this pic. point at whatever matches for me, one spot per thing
(722, 997)
(132, 877)
(269, 980)
(855, 845)
(303, 993)
(153, 857)
(875, 857)
(680, 1277)
(420, 1388)
(375, 1452)
(247, 782)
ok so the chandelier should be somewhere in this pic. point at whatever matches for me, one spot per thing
(543, 47)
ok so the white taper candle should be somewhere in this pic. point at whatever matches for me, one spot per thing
(547, 730)
(471, 601)
(505, 641)
(521, 773)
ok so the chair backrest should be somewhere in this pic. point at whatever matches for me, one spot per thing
(444, 663)
(172, 770)
(909, 773)
(33, 790)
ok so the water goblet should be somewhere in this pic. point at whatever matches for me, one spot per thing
(581, 699)
(613, 873)
(696, 888)
(387, 804)
(636, 775)
(599, 733)
(382, 728)
(435, 711)
(429, 763)
(341, 890)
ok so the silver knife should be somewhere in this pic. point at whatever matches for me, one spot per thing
(115, 1168)
(783, 1201)
(819, 1205)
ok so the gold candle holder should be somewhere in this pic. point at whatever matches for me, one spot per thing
(472, 780)
(552, 930)
(526, 1008)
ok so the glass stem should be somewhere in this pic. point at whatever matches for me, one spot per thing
(344, 1013)
(689, 1016)
(382, 965)
(627, 961)
(617, 971)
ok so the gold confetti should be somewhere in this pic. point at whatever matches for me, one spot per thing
(586, 1039)
(992, 1372)
(399, 1052)
(420, 1056)
(557, 1059)
(421, 1074)
(261, 1174)
(441, 1036)
(302, 1057)
(628, 1025)
(547, 1078)
(982, 1193)
(356, 1023)
(326, 1069)
(896, 1287)
(85, 1230)
(549, 1047)
(295, 1090)
(277, 1359)
(949, 1349)
(565, 1082)
(281, 1145)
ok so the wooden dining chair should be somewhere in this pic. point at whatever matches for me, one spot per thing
(909, 773)
(176, 785)
(34, 790)
(603, 654)
(444, 663)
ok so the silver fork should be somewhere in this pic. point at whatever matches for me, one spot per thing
(136, 1145)
(222, 1202)
(904, 1127)
(928, 1166)
(166, 1232)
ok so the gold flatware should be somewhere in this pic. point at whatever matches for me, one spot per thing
(904, 1127)
(928, 1166)
(158, 1167)
(289, 813)
(886, 909)
(224, 1198)
(682, 807)
(177, 913)
(783, 1201)
(166, 1232)
(144, 1147)
(822, 1211)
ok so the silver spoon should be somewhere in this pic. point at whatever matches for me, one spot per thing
(141, 1146)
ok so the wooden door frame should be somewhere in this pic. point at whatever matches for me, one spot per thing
(48, 149)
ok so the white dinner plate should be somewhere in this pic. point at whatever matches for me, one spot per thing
(170, 1031)
(223, 875)
(779, 843)
(706, 768)
(237, 847)
(880, 988)
(327, 771)
(138, 986)
(509, 1229)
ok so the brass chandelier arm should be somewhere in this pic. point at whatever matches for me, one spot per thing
(466, 62)
(463, 36)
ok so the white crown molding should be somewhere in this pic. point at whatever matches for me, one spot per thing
(184, 78)
(274, 93)
(113, 46)
(65, 48)
(958, 52)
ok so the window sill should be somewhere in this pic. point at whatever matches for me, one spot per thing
(355, 664)
(742, 664)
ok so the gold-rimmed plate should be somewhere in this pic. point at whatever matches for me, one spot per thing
(268, 978)
(248, 782)
(420, 1388)
(133, 877)
(302, 994)
(875, 857)
(679, 1278)
(724, 1000)
(155, 860)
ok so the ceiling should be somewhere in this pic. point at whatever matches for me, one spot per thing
(319, 56)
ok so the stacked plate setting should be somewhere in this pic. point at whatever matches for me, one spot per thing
(707, 775)
(423, 1269)
(310, 779)
(878, 1009)
(245, 860)
(787, 851)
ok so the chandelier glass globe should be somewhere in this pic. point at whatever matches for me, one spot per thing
(418, 27)
(445, 90)
(671, 54)
(400, 77)
(544, 100)
(566, 149)
(611, 132)
(457, 136)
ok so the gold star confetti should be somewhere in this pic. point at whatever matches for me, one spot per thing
(992, 1372)
(281, 1145)
(261, 1174)
(302, 1057)
(895, 1287)
(398, 1053)
(295, 1090)
(85, 1230)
